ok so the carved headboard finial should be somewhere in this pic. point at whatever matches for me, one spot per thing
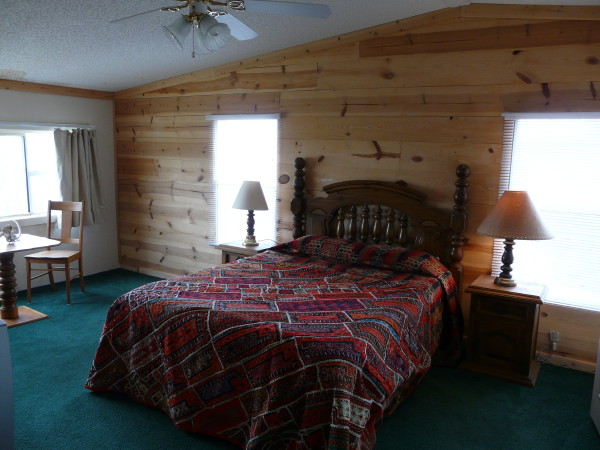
(298, 203)
(459, 215)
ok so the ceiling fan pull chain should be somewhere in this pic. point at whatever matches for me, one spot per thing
(194, 26)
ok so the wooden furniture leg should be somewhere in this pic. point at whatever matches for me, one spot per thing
(8, 284)
(28, 273)
(51, 277)
(81, 285)
(68, 280)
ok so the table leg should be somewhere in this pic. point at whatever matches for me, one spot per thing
(8, 284)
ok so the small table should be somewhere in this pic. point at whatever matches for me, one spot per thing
(8, 281)
(231, 251)
(503, 328)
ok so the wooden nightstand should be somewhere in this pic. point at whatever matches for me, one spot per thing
(231, 251)
(502, 332)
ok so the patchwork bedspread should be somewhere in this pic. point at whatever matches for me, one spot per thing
(306, 345)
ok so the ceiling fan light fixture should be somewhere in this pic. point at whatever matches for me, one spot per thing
(177, 32)
(213, 34)
(199, 45)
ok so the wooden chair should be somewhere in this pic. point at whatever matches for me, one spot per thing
(63, 258)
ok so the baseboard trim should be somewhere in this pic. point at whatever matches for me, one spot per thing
(564, 360)
(152, 273)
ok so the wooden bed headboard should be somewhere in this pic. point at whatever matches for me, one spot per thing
(387, 213)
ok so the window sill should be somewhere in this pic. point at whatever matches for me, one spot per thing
(589, 305)
(28, 220)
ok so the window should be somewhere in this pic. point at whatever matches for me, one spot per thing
(244, 148)
(557, 160)
(28, 172)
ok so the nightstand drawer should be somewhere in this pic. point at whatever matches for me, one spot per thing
(506, 309)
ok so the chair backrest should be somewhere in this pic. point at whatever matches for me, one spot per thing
(68, 222)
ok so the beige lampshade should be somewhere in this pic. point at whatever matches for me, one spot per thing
(250, 197)
(514, 217)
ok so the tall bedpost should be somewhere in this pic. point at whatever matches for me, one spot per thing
(298, 203)
(458, 224)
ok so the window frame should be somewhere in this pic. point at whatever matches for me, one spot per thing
(274, 187)
(506, 168)
(22, 132)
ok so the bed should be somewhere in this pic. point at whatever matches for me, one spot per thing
(308, 344)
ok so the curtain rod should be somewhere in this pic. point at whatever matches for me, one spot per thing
(33, 126)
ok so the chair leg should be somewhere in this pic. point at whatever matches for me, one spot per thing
(81, 285)
(51, 277)
(68, 280)
(28, 269)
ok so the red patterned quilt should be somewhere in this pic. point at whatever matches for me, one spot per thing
(306, 345)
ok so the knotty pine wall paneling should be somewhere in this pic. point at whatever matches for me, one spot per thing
(408, 100)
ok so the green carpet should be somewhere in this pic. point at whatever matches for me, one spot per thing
(451, 409)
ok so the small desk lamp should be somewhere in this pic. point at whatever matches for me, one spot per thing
(250, 197)
(513, 217)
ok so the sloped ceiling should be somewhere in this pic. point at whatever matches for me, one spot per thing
(73, 42)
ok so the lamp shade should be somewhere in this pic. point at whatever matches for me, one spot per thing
(178, 31)
(250, 197)
(514, 217)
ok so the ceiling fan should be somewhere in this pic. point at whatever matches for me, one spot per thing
(212, 24)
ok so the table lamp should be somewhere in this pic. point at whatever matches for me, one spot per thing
(250, 197)
(513, 217)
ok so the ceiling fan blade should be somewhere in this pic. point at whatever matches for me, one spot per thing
(239, 30)
(135, 15)
(294, 9)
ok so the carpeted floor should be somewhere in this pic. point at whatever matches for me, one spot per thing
(451, 409)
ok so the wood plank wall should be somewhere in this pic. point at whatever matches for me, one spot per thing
(408, 100)
(37, 88)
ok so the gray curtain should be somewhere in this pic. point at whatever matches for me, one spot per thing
(78, 171)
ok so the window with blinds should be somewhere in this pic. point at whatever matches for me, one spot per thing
(28, 171)
(244, 148)
(556, 158)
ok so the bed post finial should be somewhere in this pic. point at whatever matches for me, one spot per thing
(458, 221)
(298, 203)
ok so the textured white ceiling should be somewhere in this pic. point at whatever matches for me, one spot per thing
(71, 42)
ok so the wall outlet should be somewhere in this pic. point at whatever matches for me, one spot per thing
(554, 338)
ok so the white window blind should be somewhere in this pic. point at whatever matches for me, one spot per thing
(28, 172)
(557, 160)
(244, 148)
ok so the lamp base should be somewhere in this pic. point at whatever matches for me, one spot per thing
(506, 282)
(250, 241)
(505, 278)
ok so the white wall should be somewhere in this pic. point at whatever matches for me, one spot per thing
(100, 244)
